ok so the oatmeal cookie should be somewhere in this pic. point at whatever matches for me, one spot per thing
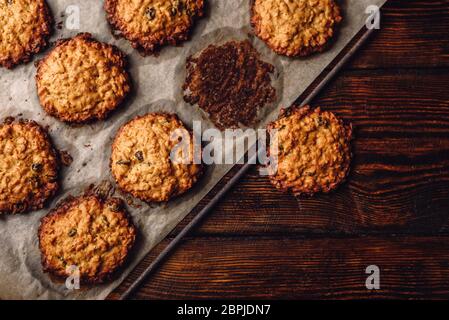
(28, 167)
(146, 159)
(89, 233)
(25, 26)
(295, 27)
(82, 79)
(312, 148)
(230, 83)
(150, 24)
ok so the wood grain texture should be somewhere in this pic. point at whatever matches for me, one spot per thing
(302, 268)
(412, 34)
(393, 211)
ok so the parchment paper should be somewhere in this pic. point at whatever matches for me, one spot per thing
(157, 87)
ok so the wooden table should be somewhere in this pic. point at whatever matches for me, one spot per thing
(393, 212)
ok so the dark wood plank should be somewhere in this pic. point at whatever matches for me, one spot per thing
(293, 268)
(414, 33)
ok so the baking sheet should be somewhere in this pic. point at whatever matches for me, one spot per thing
(157, 87)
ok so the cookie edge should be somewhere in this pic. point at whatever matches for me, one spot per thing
(349, 137)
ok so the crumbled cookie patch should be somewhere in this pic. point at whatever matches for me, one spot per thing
(28, 167)
(25, 26)
(295, 27)
(89, 233)
(230, 83)
(150, 24)
(312, 148)
(146, 163)
(82, 79)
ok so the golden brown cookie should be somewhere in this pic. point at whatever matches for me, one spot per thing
(295, 27)
(87, 233)
(230, 83)
(311, 149)
(150, 24)
(147, 162)
(28, 167)
(82, 79)
(25, 26)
